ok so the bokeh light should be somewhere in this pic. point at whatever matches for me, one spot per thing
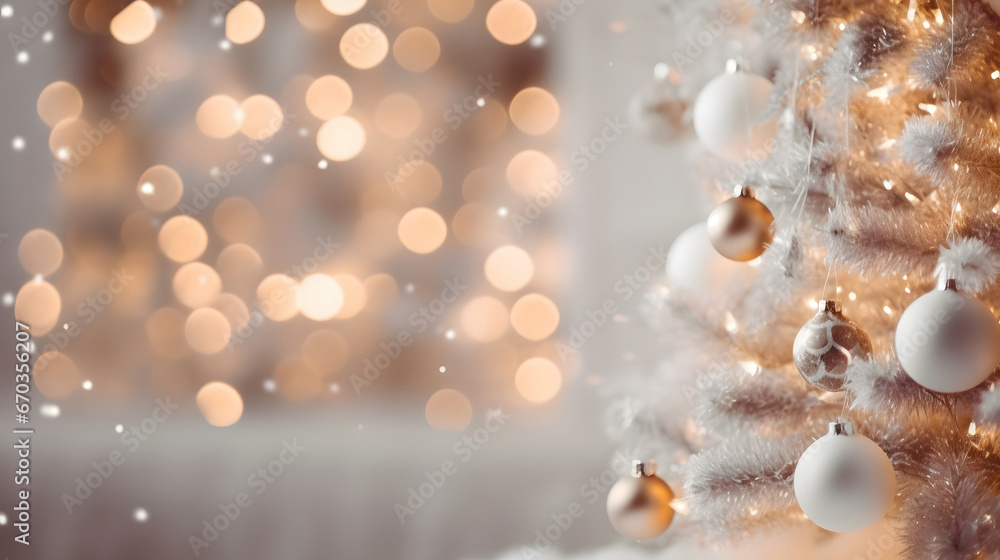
(328, 97)
(38, 305)
(244, 23)
(220, 404)
(422, 230)
(319, 297)
(341, 138)
(165, 333)
(485, 319)
(326, 351)
(450, 11)
(538, 380)
(40, 252)
(474, 224)
(276, 295)
(530, 172)
(262, 117)
(59, 101)
(534, 111)
(207, 330)
(312, 15)
(240, 267)
(416, 49)
(135, 23)
(448, 410)
(509, 268)
(236, 219)
(364, 46)
(183, 239)
(234, 309)
(343, 7)
(355, 296)
(534, 317)
(219, 116)
(55, 375)
(160, 188)
(196, 284)
(511, 22)
(296, 379)
(398, 115)
(418, 182)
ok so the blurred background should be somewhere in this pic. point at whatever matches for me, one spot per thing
(317, 279)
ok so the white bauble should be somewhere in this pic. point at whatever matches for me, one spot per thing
(948, 341)
(694, 268)
(844, 482)
(727, 110)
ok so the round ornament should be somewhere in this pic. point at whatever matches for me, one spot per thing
(948, 341)
(844, 482)
(694, 268)
(740, 228)
(658, 111)
(827, 344)
(726, 114)
(639, 505)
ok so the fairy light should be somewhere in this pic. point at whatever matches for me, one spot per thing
(929, 107)
(995, 74)
(842, 26)
(972, 429)
(852, 296)
(22, 57)
(799, 17)
(731, 325)
(17, 143)
(927, 25)
(87, 385)
(751, 368)
(119, 428)
(888, 184)
(887, 309)
(813, 304)
(141, 515)
(880, 92)
(6, 11)
(910, 197)
(938, 16)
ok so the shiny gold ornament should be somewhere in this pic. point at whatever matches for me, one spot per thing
(639, 505)
(740, 228)
(827, 344)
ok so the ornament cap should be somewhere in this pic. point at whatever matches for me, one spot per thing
(830, 305)
(841, 429)
(643, 468)
(744, 191)
(950, 284)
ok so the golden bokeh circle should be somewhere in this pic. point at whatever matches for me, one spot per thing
(313, 16)
(59, 101)
(364, 46)
(276, 296)
(448, 410)
(485, 319)
(326, 351)
(422, 230)
(240, 267)
(55, 375)
(355, 295)
(530, 172)
(509, 268)
(534, 111)
(234, 309)
(219, 116)
(220, 404)
(343, 7)
(160, 188)
(416, 49)
(418, 182)
(196, 284)
(319, 297)
(207, 330)
(262, 117)
(236, 219)
(511, 22)
(328, 97)
(538, 380)
(341, 138)
(450, 11)
(38, 305)
(40, 252)
(165, 332)
(134, 24)
(244, 23)
(398, 115)
(534, 317)
(182, 239)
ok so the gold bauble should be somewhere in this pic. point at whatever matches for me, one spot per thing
(639, 505)
(740, 228)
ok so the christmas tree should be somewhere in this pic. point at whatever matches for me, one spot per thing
(829, 336)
